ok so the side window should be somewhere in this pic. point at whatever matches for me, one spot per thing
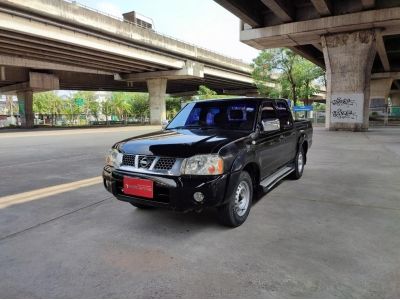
(285, 115)
(268, 111)
(194, 116)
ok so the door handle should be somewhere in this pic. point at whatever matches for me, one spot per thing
(282, 137)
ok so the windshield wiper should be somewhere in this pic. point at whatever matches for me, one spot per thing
(195, 127)
(186, 127)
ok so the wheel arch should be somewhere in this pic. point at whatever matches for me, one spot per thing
(254, 171)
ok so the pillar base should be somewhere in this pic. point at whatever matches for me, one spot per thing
(25, 104)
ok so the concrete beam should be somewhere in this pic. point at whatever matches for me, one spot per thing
(240, 92)
(301, 52)
(13, 88)
(279, 9)
(323, 7)
(191, 70)
(249, 17)
(38, 82)
(45, 31)
(367, 4)
(90, 21)
(43, 81)
(227, 75)
(14, 61)
(183, 94)
(380, 47)
(318, 46)
(310, 31)
(394, 75)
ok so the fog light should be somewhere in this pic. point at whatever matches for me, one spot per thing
(198, 196)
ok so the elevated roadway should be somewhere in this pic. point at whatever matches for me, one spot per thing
(357, 41)
(46, 45)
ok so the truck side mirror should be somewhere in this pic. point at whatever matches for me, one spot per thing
(270, 125)
(164, 124)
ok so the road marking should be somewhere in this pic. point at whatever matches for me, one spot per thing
(47, 192)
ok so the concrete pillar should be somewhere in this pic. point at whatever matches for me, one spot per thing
(379, 93)
(25, 104)
(395, 99)
(348, 59)
(157, 91)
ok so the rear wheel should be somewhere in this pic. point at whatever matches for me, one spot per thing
(299, 164)
(235, 212)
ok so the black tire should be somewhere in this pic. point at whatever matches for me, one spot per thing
(141, 206)
(228, 213)
(298, 169)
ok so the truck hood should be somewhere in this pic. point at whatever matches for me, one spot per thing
(179, 143)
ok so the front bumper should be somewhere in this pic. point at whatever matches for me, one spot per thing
(172, 192)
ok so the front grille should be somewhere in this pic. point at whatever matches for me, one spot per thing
(128, 160)
(145, 161)
(148, 162)
(165, 163)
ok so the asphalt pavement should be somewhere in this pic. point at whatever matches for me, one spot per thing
(333, 233)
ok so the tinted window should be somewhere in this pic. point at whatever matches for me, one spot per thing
(285, 115)
(268, 111)
(234, 115)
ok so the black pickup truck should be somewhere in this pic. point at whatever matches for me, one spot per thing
(214, 153)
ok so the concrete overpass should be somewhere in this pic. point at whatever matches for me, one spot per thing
(352, 39)
(47, 45)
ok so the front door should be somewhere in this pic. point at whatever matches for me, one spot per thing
(268, 144)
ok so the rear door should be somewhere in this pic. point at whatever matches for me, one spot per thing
(288, 131)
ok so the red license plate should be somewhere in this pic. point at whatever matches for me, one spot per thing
(138, 187)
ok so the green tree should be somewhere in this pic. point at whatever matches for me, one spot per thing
(48, 103)
(173, 106)
(72, 110)
(107, 109)
(121, 104)
(205, 93)
(86, 104)
(141, 106)
(292, 74)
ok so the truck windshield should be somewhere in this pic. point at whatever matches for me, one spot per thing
(234, 115)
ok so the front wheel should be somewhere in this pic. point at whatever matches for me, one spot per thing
(298, 164)
(235, 212)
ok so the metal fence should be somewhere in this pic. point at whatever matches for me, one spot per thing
(385, 116)
(378, 116)
(73, 120)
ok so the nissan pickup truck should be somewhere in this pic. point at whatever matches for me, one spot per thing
(214, 153)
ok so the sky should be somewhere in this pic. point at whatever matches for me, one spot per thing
(200, 22)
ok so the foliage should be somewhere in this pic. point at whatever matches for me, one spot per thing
(47, 103)
(205, 93)
(173, 106)
(141, 106)
(292, 74)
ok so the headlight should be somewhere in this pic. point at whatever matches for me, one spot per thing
(114, 158)
(203, 165)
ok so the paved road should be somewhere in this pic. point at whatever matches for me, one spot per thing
(334, 233)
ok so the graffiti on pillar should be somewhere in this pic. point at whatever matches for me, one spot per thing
(347, 108)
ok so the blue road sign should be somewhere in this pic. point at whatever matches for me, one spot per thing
(303, 108)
